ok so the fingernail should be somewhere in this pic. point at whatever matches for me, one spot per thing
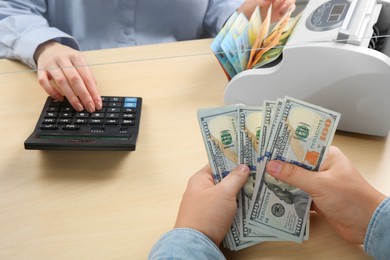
(242, 168)
(98, 105)
(90, 107)
(79, 107)
(274, 167)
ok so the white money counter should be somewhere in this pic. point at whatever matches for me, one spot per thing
(338, 58)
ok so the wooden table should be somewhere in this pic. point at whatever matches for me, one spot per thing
(115, 205)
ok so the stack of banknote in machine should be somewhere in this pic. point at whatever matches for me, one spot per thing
(244, 44)
(287, 129)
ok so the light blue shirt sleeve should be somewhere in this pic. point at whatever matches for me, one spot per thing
(377, 241)
(100, 24)
(217, 14)
(23, 28)
(185, 243)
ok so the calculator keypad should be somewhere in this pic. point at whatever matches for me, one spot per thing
(117, 114)
(114, 127)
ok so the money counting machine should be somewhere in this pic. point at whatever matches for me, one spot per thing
(337, 57)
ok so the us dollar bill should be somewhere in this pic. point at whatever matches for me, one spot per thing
(220, 135)
(267, 119)
(250, 130)
(301, 135)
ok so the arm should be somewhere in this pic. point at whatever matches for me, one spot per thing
(218, 11)
(205, 216)
(28, 37)
(23, 28)
(377, 241)
(341, 195)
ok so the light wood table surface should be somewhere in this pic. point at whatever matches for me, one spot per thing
(115, 205)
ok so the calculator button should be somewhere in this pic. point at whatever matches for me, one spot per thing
(71, 127)
(65, 121)
(130, 100)
(81, 121)
(115, 99)
(113, 110)
(111, 122)
(49, 121)
(128, 116)
(53, 109)
(113, 115)
(96, 121)
(67, 109)
(51, 115)
(114, 104)
(128, 122)
(82, 115)
(65, 115)
(49, 127)
(97, 115)
(130, 105)
(128, 110)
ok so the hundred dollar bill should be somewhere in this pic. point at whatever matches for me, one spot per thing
(267, 119)
(250, 119)
(302, 136)
(219, 131)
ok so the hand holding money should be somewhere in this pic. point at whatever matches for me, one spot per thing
(288, 129)
(340, 194)
(207, 216)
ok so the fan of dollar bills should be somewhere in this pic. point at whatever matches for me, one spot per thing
(243, 44)
(288, 129)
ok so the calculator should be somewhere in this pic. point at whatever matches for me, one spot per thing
(60, 127)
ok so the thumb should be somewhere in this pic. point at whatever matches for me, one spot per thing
(236, 179)
(292, 174)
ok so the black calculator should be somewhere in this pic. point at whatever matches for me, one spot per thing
(115, 127)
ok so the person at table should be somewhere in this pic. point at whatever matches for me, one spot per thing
(49, 34)
(357, 211)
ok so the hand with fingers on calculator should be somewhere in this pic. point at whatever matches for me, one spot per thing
(61, 127)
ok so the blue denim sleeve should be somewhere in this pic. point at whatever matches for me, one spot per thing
(184, 243)
(377, 241)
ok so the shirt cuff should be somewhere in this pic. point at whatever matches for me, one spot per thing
(377, 240)
(185, 243)
(27, 44)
